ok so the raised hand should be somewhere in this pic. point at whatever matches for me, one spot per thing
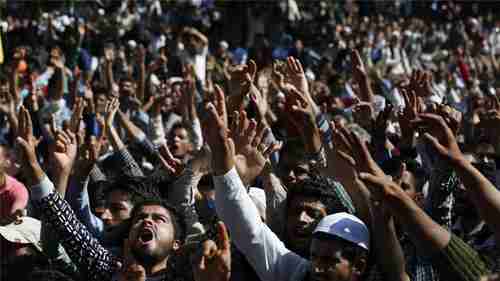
(302, 116)
(109, 55)
(295, 75)
(131, 270)
(412, 108)
(420, 82)
(25, 139)
(213, 263)
(353, 150)
(7, 104)
(64, 150)
(169, 162)
(26, 144)
(440, 136)
(360, 76)
(379, 127)
(358, 67)
(363, 115)
(215, 131)
(77, 116)
(247, 136)
(111, 109)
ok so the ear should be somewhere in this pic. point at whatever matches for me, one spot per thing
(358, 268)
(176, 245)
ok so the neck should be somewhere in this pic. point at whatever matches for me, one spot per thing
(156, 268)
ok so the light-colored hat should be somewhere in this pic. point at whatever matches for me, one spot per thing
(347, 227)
(26, 230)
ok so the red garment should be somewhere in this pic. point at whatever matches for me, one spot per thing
(13, 196)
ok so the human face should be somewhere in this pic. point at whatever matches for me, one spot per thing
(179, 143)
(100, 102)
(152, 236)
(329, 264)
(293, 173)
(8, 162)
(127, 88)
(118, 208)
(303, 214)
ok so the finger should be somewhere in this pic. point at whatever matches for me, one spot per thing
(413, 99)
(21, 122)
(213, 115)
(235, 123)
(299, 96)
(347, 158)
(209, 248)
(356, 58)
(299, 67)
(261, 131)
(275, 147)
(221, 101)
(406, 98)
(166, 165)
(29, 125)
(223, 237)
(252, 69)
(340, 141)
(243, 123)
(251, 131)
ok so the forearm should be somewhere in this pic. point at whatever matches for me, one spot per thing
(389, 253)
(366, 90)
(108, 72)
(427, 235)
(78, 198)
(483, 193)
(13, 123)
(61, 179)
(114, 138)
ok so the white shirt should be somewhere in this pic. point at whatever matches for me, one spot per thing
(267, 254)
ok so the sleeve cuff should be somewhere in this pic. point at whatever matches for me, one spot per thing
(231, 181)
(42, 189)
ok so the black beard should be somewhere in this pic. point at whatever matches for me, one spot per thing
(149, 260)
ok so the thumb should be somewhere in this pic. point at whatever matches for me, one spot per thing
(20, 141)
(223, 236)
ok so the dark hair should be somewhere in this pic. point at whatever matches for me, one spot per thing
(180, 125)
(177, 218)
(329, 192)
(139, 188)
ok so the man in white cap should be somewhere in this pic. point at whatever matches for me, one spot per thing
(340, 243)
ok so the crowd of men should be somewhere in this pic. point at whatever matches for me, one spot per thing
(271, 140)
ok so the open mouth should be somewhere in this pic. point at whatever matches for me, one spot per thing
(146, 236)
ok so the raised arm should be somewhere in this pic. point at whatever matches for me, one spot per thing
(84, 250)
(141, 83)
(265, 252)
(483, 193)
